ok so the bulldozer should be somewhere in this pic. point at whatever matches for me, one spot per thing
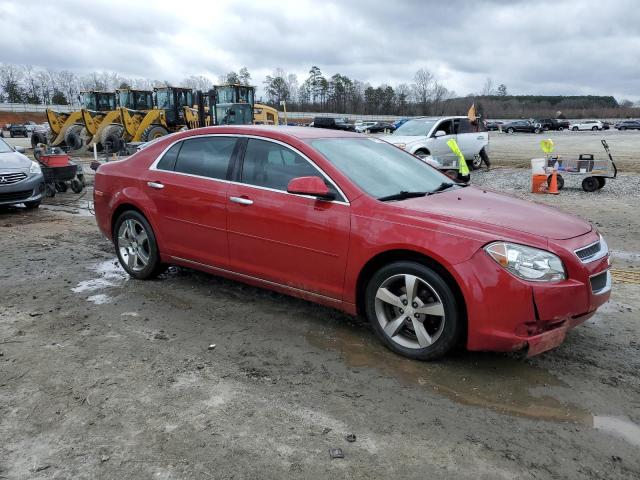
(173, 111)
(69, 128)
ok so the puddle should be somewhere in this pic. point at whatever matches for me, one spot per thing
(110, 274)
(619, 427)
(81, 209)
(477, 379)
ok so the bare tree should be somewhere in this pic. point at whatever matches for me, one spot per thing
(422, 88)
(487, 89)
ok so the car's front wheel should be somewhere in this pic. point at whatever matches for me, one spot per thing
(136, 246)
(594, 128)
(575, 129)
(422, 154)
(413, 310)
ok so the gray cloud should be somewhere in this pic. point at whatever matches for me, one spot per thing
(544, 47)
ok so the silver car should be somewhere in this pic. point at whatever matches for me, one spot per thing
(21, 179)
(427, 138)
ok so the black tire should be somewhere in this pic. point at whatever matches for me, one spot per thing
(11, 134)
(590, 184)
(154, 266)
(601, 181)
(80, 178)
(36, 138)
(32, 205)
(76, 186)
(575, 129)
(511, 130)
(622, 128)
(50, 190)
(61, 187)
(595, 129)
(111, 139)
(152, 132)
(422, 154)
(560, 129)
(559, 179)
(536, 130)
(452, 326)
(73, 137)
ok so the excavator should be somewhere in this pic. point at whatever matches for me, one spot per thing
(69, 128)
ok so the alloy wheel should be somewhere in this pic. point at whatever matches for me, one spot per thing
(410, 311)
(133, 245)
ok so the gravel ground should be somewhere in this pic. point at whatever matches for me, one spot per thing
(102, 376)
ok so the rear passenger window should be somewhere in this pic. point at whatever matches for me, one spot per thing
(168, 161)
(206, 156)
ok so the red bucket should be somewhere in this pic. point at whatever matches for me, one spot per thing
(55, 160)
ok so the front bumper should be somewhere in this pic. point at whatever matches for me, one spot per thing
(28, 190)
(506, 313)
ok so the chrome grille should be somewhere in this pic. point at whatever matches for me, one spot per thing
(592, 252)
(587, 252)
(11, 178)
(15, 196)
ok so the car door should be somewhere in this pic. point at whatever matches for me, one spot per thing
(469, 137)
(438, 145)
(188, 187)
(289, 239)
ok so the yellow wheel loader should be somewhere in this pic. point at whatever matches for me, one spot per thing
(265, 115)
(173, 111)
(110, 134)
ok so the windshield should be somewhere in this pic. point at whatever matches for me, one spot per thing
(164, 99)
(414, 128)
(378, 168)
(4, 147)
(236, 114)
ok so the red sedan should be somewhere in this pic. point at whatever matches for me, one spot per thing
(357, 224)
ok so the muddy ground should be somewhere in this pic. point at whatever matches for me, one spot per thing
(102, 376)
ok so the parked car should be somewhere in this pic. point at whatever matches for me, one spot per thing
(21, 179)
(379, 127)
(586, 125)
(333, 123)
(354, 223)
(606, 125)
(18, 130)
(427, 137)
(362, 127)
(522, 126)
(628, 125)
(552, 124)
(493, 125)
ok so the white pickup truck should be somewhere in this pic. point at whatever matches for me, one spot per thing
(426, 138)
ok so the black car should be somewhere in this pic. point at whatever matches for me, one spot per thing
(628, 125)
(17, 130)
(552, 124)
(493, 125)
(333, 124)
(522, 126)
(381, 127)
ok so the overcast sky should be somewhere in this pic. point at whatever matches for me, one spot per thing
(534, 47)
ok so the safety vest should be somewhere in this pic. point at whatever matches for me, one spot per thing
(463, 169)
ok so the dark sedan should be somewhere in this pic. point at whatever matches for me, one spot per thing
(628, 125)
(380, 127)
(522, 126)
(17, 130)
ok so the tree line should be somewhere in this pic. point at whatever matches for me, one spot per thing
(318, 92)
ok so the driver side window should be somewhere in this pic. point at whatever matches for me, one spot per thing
(446, 126)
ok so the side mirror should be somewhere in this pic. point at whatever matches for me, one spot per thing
(440, 133)
(312, 186)
(19, 149)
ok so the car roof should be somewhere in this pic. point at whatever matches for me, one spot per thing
(301, 133)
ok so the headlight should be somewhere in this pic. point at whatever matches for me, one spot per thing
(527, 263)
(35, 168)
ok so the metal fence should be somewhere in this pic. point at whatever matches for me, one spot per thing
(350, 117)
(32, 107)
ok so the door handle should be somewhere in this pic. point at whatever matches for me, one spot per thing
(157, 185)
(241, 200)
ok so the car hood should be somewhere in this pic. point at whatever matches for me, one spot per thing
(14, 161)
(396, 139)
(484, 208)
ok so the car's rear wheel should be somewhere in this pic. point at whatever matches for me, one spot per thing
(560, 129)
(422, 154)
(575, 129)
(536, 130)
(594, 128)
(136, 246)
(413, 310)
(510, 130)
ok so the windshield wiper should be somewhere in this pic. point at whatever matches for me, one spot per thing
(401, 195)
(441, 187)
